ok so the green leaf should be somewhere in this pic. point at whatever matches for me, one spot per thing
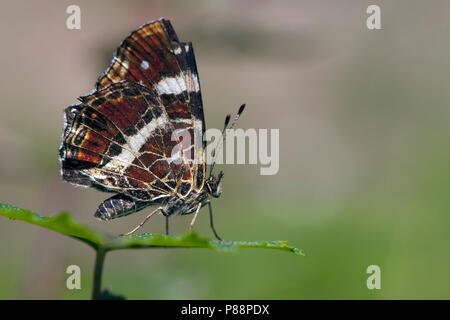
(65, 224)
(62, 223)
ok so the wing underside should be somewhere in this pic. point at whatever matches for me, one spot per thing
(121, 137)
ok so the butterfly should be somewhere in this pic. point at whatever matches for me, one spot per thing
(120, 137)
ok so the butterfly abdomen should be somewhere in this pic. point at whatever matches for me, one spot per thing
(119, 206)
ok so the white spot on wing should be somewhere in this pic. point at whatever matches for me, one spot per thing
(145, 65)
(196, 85)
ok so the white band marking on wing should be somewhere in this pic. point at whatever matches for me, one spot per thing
(171, 85)
(135, 143)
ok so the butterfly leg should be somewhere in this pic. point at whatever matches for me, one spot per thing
(142, 223)
(195, 216)
(167, 225)
(211, 222)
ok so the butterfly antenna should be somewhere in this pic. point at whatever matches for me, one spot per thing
(214, 153)
(224, 136)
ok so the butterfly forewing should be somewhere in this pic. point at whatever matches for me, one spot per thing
(152, 57)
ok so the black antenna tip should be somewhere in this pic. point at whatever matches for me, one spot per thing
(241, 109)
(227, 119)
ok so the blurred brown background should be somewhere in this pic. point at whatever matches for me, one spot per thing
(364, 153)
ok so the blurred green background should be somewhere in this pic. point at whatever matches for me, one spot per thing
(364, 154)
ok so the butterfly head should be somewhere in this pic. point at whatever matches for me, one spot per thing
(214, 185)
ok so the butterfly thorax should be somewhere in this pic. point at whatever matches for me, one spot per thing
(186, 205)
(189, 204)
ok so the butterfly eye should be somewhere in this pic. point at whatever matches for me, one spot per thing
(216, 188)
(216, 193)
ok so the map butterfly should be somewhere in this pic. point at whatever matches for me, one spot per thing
(119, 138)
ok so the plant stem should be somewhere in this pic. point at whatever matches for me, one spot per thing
(98, 269)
